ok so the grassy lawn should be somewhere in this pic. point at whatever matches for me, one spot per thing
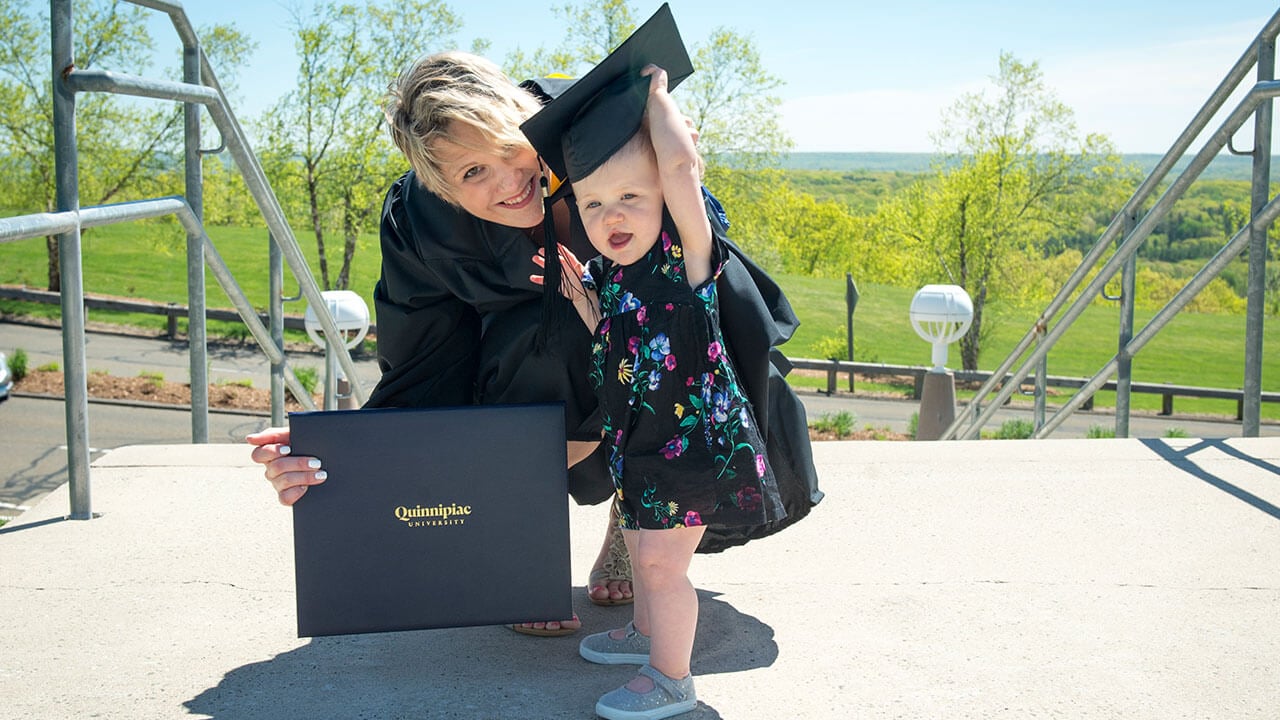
(147, 261)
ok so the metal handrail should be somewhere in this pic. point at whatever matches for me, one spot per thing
(968, 425)
(199, 88)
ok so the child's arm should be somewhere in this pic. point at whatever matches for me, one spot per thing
(585, 301)
(678, 170)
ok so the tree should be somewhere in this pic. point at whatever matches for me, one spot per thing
(327, 138)
(730, 96)
(124, 145)
(1012, 170)
(731, 99)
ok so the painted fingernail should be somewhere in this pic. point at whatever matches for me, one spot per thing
(284, 449)
(321, 475)
(313, 463)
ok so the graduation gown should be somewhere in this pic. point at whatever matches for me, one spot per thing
(458, 324)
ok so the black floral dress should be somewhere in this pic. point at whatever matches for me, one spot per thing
(683, 446)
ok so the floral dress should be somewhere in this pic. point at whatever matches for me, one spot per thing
(683, 446)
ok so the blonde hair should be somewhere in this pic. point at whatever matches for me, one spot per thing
(428, 99)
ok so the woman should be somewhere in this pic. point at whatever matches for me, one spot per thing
(458, 317)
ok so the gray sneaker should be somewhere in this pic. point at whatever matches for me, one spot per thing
(632, 649)
(668, 697)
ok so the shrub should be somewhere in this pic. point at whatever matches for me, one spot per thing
(18, 364)
(1175, 432)
(839, 424)
(153, 378)
(308, 377)
(1098, 432)
(1015, 429)
(49, 367)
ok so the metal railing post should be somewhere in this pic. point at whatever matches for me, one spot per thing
(197, 325)
(275, 317)
(75, 390)
(1124, 368)
(1255, 294)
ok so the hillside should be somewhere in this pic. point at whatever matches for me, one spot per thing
(1224, 167)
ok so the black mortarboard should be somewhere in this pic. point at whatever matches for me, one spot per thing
(588, 122)
(593, 118)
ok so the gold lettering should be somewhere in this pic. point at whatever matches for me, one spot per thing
(441, 514)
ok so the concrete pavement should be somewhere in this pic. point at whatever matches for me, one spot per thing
(1054, 578)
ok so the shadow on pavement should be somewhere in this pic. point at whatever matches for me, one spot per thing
(1182, 460)
(467, 672)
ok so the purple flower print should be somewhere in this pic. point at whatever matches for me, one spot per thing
(692, 519)
(643, 315)
(713, 351)
(669, 363)
(749, 499)
(633, 345)
(673, 448)
(628, 302)
(760, 468)
(655, 380)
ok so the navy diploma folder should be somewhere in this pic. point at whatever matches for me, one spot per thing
(432, 518)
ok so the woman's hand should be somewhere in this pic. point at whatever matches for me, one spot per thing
(571, 287)
(289, 475)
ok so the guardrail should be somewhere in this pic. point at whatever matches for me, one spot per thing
(172, 311)
(1167, 392)
(833, 368)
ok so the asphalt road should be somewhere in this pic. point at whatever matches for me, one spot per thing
(34, 461)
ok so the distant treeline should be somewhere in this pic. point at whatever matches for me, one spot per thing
(1223, 167)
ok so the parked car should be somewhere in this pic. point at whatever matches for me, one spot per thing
(6, 379)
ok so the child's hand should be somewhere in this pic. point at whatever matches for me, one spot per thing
(570, 272)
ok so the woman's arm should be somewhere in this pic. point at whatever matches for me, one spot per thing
(679, 170)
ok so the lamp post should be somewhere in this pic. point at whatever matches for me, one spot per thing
(940, 314)
(351, 315)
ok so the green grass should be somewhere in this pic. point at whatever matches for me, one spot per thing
(1194, 349)
(148, 261)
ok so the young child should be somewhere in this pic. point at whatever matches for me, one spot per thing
(684, 449)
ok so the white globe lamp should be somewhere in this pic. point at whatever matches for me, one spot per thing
(941, 315)
(351, 316)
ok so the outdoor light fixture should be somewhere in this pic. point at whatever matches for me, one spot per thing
(940, 314)
(351, 316)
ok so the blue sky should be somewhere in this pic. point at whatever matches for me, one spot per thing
(875, 77)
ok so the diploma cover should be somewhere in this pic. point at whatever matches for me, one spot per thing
(432, 518)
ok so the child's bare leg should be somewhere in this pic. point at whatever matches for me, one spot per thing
(666, 606)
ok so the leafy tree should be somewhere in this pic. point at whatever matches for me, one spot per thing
(124, 146)
(731, 99)
(730, 96)
(326, 144)
(1012, 171)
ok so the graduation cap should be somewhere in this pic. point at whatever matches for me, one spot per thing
(586, 123)
(594, 117)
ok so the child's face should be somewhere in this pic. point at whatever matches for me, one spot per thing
(621, 205)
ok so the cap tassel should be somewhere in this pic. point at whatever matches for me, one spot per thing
(552, 304)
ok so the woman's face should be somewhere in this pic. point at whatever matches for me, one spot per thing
(498, 184)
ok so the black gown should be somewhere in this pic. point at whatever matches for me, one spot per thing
(458, 320)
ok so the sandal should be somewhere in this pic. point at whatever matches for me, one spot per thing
(546, 632)
(668, 697)
(616, 566)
